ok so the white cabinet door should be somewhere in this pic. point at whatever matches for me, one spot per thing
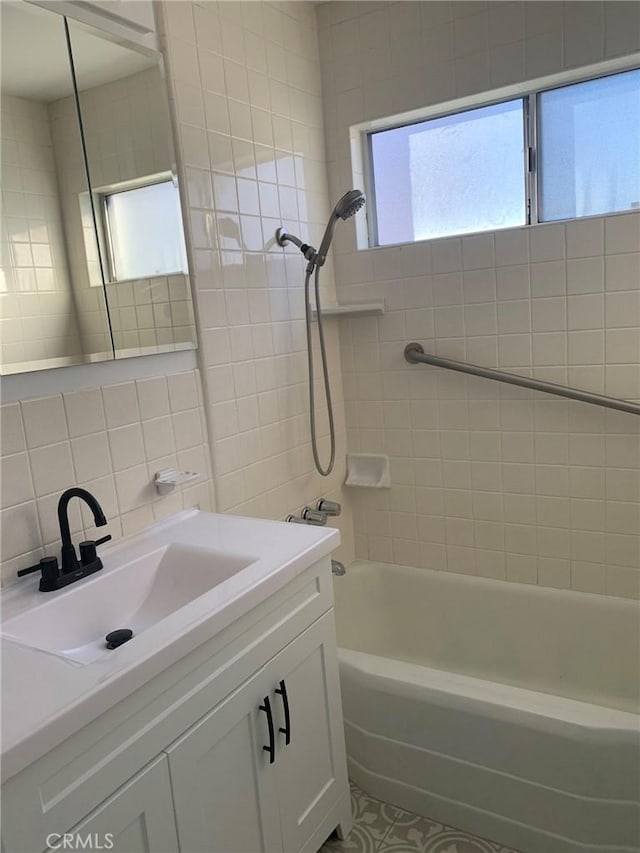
(225, 790)
(138, 818)
(312, 767)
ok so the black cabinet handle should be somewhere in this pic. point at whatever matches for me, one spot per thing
(286, 731)
(271, 749)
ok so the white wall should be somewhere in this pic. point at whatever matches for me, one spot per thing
(250, 141)
(488, 479)
(245, 78)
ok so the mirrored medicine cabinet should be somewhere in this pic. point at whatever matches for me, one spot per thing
(93, 263)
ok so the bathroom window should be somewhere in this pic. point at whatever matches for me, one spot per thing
(456, 174)
(143, 231)
(561, 153)
(589, 147)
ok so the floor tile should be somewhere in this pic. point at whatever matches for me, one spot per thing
(414, 834)
(382, 828)
(372, 821)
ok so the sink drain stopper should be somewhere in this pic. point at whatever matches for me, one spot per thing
(117, 638)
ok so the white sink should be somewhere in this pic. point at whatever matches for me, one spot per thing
(73, 623)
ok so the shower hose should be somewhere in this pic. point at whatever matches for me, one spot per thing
(325, 373)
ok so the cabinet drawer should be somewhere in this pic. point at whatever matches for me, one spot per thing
(67, 783)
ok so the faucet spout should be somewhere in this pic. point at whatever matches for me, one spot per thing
(69, 558)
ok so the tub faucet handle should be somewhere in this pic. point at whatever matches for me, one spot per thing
(331, 508)
(312, 516)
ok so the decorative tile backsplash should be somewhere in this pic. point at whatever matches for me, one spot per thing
(488, 479)
(111, 441)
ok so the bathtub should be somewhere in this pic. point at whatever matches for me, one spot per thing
(506, 710)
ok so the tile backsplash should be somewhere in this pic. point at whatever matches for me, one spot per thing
(110, 440)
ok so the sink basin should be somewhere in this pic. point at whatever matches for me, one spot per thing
(136, 595)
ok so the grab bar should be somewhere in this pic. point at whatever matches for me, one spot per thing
(414, 353)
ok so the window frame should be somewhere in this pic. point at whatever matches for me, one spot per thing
(529, 93)
(101, 202)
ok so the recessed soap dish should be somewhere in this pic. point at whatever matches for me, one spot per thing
(368, 470)
(166, 480)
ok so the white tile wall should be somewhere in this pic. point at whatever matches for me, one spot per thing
(38, 315)
(150, 313)
(240, 183)
(487, 479)
(111, 441)
(245, 79)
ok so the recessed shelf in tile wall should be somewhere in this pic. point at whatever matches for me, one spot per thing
(350, 309)
(368, 471)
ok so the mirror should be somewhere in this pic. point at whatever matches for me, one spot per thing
(93, 257)
(43, 320)
(134, 207)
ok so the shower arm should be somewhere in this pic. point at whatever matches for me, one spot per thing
(283, 237)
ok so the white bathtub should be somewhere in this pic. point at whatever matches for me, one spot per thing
(507, 710)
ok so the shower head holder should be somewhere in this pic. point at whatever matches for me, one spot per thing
(347, 206)
(283, 237)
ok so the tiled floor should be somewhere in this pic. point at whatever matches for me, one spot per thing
(381, 827)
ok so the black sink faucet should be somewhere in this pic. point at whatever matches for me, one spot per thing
(72, 569)
(68, 557)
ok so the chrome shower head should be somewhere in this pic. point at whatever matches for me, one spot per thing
(349, 204)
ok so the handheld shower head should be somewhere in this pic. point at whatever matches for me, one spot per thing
(348, 206)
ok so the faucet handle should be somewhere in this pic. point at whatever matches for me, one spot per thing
(49, 568)
(331, 508)
(312, 516)
(22, 572)
(88, 553)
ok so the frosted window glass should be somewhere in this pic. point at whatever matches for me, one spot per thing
(452, 175)
(145, 228)
(589, 140)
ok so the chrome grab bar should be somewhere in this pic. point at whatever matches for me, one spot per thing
(414, 353)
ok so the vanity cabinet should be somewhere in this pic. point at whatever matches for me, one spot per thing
(138, 818)
(181, 764)
(230, 793)
(224, 796)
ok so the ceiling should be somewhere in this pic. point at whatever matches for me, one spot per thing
(34, 55)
